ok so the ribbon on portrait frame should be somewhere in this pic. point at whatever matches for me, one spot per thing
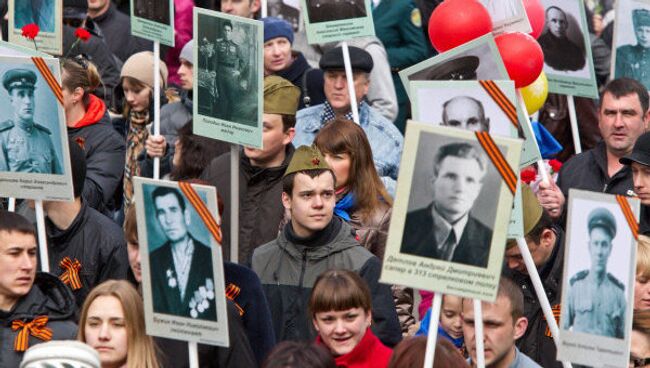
(502, 100)
(202, 210)
(629, 215)
(499, 161)
(50, 79)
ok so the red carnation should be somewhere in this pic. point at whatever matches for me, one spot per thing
(82, 34)
(30, 31)
(528, 175)
(555, 165)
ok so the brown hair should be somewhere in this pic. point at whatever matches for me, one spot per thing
(641, 321)
(138, 86)
(338, 290)
(510, 290)
(344, 136)
(141, 349)
(410, 353)
(80, 73)
(295, 354)
(131, 225)
(196, 153)
(643, 256)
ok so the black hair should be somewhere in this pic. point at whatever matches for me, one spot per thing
(13, 222)
(163, 191)
(288, 181)
(625, 86)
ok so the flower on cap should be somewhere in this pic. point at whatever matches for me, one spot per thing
(555, 165)
(528, 175)
(315, 161)
(30, 31)
(82, 34)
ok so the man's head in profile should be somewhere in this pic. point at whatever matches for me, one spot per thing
(171, 213)
(556, 21)
(641, 22)
(465, 112)
(458, 172)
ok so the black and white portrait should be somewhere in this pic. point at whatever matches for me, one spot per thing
(632, 41)
(288, 10)
(457, 185)
(331, 10)
(227, 69)
(154, 10)
(39, 12)
(563, 39)
(502, 9)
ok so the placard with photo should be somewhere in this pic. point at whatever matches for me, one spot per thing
(598, 282)
(10, 49)
(507, 16)
(337, 20)
(153, 20)
(631, 57)
(182, 262)
(46, 14)
(34, 154)
(568, 63)
(476, 106)
(451, 176)
(228, 93)
(288, 10)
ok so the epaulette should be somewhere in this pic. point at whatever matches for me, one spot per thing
(579, 276)
(5, 125)
(40, 127)
(616, 282)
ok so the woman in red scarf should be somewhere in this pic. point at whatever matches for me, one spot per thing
(340, 307)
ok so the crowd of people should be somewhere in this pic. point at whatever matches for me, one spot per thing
(314, 206)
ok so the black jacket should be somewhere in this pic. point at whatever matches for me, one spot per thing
(308, 79)
(260, 202)
(116, 27)
(537, 342)
(48, 297)
(96, 242)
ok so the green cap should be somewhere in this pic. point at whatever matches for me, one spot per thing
(601, 217)
(280, 96)
(532, 210)
(641, 17)
(306, 158)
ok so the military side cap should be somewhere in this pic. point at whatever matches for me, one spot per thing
(306, 158)
(19, 78)
(280, 96)
(601, 217)
(531, 209)
(463, 68)
(640, 152)
(641, 17)
(359, 59)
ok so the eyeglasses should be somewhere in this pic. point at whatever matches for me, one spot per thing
(639, 362)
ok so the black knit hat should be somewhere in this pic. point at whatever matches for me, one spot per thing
(78, 165)
(75, 9)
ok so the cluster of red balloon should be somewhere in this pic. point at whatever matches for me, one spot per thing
(455, 22)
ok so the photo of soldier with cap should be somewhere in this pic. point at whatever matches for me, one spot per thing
(154, 10)
(595, 302)
(331, 10)
(25, 146)
(633, 60)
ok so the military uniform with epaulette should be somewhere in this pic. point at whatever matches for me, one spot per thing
(229, 64)
(26, 147)
(633, 61)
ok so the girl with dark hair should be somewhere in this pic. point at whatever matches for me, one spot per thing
(193, 153)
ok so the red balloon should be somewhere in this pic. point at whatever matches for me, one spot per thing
(536, 16)
(522, 56)
(455, 22)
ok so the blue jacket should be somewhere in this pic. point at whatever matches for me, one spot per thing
(385, 139)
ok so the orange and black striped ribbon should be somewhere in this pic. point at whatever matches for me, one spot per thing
(202, 210)
(556, 314)
(629, 215)
(232, 291)
(507, 173)
(71, 274)
(37, 328)
(49, 77)
(502, 100)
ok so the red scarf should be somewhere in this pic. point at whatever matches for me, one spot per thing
(94, 112)
(369, 353)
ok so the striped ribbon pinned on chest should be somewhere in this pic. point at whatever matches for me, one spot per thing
(232, 291)
(70, 275)
(37, 328)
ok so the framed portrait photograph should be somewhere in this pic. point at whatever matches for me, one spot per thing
(228, 95)
(451, 212)
(507, 16)
(598, 282)
(478, 59)
(631, 44)
(182, 264)
(46, 14)
(153, 20)
(288, 10)
(34, 155)
(468, 105)
(568, 63)
(337, 20)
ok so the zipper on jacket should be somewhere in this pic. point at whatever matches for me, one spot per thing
(303, 267)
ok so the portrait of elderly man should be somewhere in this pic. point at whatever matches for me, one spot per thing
(25, 146)
(596, 299)
(560, 52)
(181, 269)
(465, 112)
(446, 229)
(633, 61)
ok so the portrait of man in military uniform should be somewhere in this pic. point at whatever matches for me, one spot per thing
(39, 12)
(595, 301)
(633, 61)
(154, 10)
(331, 10)
(561, 52)
(25, 145)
